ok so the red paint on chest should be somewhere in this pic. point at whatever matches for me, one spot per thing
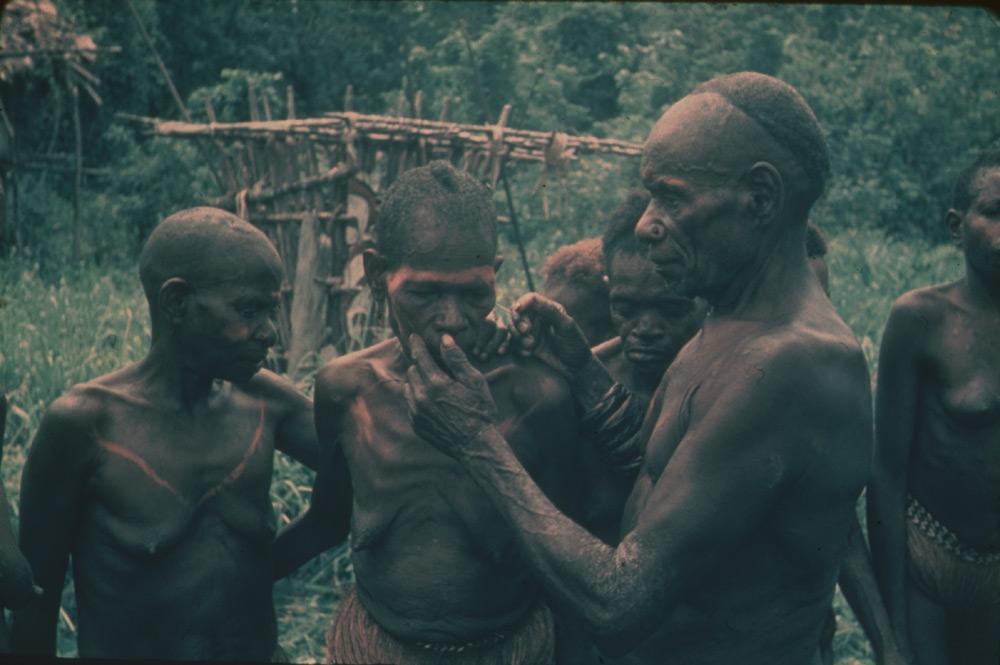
(149, 472)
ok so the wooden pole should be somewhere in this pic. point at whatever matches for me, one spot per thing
(78, 175)
(170, 84)
(516, 226)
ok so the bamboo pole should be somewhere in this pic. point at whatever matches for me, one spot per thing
(387, 129)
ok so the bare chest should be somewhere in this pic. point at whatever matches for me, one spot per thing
(156, 476)
(963, 378)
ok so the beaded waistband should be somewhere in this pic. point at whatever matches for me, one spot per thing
(943, 536)
(458, 647)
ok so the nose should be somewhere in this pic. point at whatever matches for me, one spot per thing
(267, 333)
(648, 328)
(651, 227)
(449, 318)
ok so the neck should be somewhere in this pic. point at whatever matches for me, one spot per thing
(980, 288)
(647, 376)
(164, 370)
(771, 284)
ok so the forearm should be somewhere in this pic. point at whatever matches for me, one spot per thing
(860, 588)
(612, 417)
(300, 541)
(609, 588)
(34, 626)
(887, 535)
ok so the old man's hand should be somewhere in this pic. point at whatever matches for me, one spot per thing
(448, 406)
(543, 328)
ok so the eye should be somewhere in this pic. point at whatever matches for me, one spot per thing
(623, 308)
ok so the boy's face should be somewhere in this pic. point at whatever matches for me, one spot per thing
(228, 327)
(446, 283)
(653, 322)
(980, 225)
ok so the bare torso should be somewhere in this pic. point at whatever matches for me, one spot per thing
(433, 559)
(954, 468)
(171, 557)
(771, 592)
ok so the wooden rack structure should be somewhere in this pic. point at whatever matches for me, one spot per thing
(312, 185)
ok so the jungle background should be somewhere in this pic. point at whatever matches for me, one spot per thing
(907, 96)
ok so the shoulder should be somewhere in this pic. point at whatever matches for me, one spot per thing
(923, 307)
(277, 389)
(799, 363)
(344, 377)
(532, 384)
(71, 422)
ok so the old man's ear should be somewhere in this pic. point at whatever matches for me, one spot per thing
(766, 192)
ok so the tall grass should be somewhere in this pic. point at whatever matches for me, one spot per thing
(54, 333)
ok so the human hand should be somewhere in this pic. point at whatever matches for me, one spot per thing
(492, 339)
(447, 408)
(542, 328)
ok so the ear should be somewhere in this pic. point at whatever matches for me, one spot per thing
(953, 220)
(173, 299)
(766, 192)
(376, 266)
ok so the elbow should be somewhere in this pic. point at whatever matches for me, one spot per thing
(616, 627)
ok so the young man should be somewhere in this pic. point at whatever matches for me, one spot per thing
(651, 321)
(156, 478)
(574, 277)
(16, 581)
(755, 448)
(934, 501)
(439, 579)
(652, 325)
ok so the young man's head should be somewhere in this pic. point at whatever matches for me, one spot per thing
(816, 253)
(653, 322)
(974, 218)
(574, 277)
(213, 286)
(733, 169)
(435, 255)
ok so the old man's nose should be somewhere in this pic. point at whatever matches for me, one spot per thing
(650, 228)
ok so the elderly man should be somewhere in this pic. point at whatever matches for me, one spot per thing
(758, 441)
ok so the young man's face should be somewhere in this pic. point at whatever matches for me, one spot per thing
(229, 326)
(445, 284)
(980, 225)
(653, 322)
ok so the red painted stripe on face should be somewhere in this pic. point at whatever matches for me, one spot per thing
(396, 278)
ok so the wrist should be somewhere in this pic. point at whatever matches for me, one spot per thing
(591, 383)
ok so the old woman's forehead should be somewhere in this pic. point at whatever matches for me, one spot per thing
(476, 275)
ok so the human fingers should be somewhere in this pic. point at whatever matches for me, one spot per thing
(428, 369)
(456, 361)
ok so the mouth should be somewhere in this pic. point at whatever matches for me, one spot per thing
(645, 354)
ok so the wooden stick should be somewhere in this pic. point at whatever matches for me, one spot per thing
(516, 226)
(78, 169)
